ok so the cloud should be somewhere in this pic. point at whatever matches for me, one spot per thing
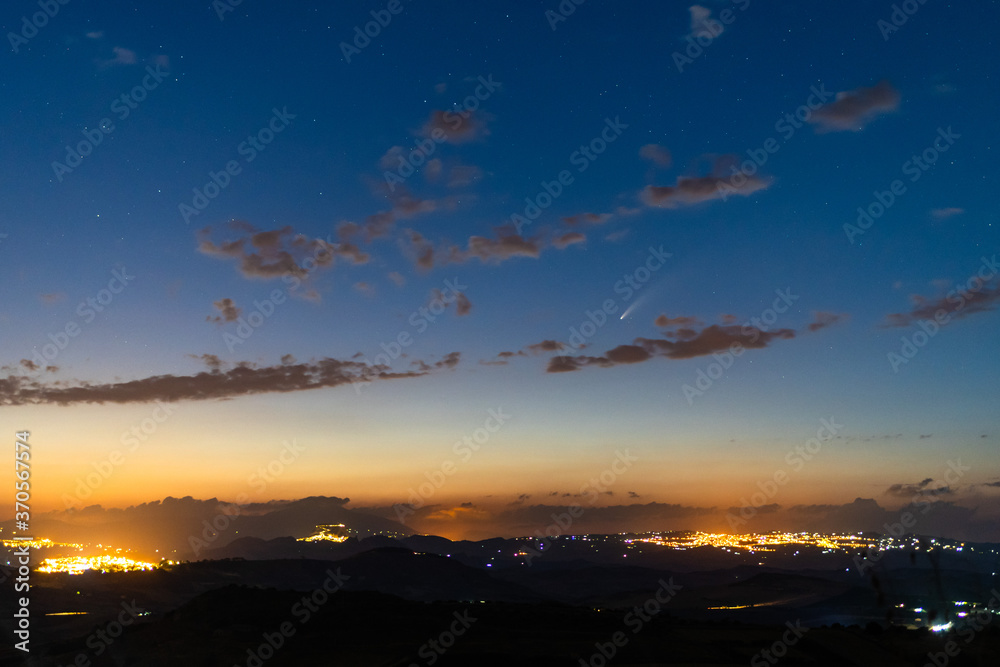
(702, 22)
(714, 338)
(122, 56)
(922, 489)
(666, 322)
(29, 365)
(567, 239)
(380, 224)
(945, 213)
(422, 251)
(433, 170)
(852, 110)
(505, 245)
(397, 278)
(211, 360)
(627, 354)
(682, 344)
(448, 361)
(456, 127)
(463, 174)
(588, 218)
(534, 349)
(390, 159)
(519, 518)
(365, 288)
(825, 319)
(462, 304)
(243, 379)
(52, 297)
(656, 154)
(276, 253)
(568, 364)
(694, 190)
(228, 311)
(544, 346)
(958, 303)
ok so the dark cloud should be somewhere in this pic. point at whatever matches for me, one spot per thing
(422, 250)
(714, 338)
(462, 304)
(694, 190)
(627, 354)
(823, 319)
(276, 253)
(853, 109)
(922, 488)
(211, 360)
(505, 245)
(448, 361)
(587, 218)
(243, 379)
(566, 364)
(521, 519)
(769, 508)
(228, 311)
(544, 346)
(958, 303)
(682, 343)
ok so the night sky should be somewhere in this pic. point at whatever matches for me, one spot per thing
(499, 251)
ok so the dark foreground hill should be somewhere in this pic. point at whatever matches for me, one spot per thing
(238, 625)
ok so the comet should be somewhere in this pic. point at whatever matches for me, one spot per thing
(632, 307)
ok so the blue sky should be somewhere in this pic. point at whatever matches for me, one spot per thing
(493, 103)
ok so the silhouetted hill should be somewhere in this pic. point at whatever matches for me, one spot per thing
(238, 625)
(427, 577)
